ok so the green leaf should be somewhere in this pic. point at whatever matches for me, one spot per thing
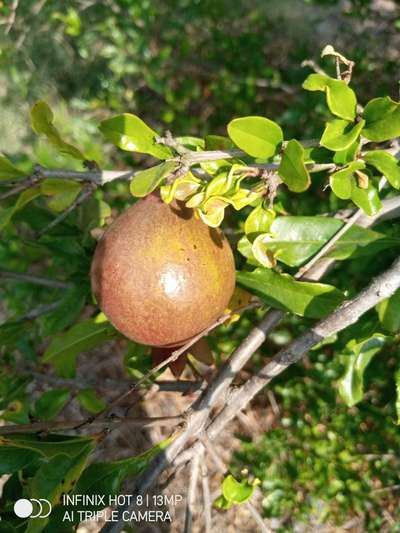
(342, 181)
(90, 401)
(46, 446)
(148, 180)
(181, 188)
(42, 123)
(382, 119)
(222, 503)
(14, 459)
(50, 403)
(65, 347)
(259, 221)
(8, 171)
(367, 199)
(63, 193)
(293, 240)
(67, 312)
(389, 312)
(340, 134)
(236, 491)
(257, 136)
(55, 478)
(385, 163)
(23, 199)
(341, 100)
(106, 478)
(130, 133)
(351, 384)
(281, 291)
(292, 169)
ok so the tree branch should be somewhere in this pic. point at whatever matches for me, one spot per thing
(36, 280)
(60, 425)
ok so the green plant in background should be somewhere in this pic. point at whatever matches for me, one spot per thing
(262, 184)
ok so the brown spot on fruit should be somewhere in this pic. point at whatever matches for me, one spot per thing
(160, 275)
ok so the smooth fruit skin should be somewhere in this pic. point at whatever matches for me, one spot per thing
(160, 275)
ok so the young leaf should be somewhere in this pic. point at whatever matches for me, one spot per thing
(130, 133)
(351, 384)
(340, 134)
(8, 171)
(385, 163)
(64, 348)
(23, 199)
(259, 221)
(281, 291)
(90, 401)
(148, 180)
(257, 136)
(342, 181)
(261, 252)
(50, 403)
(42, 123)
(341, 100)
(292, 169)
(382, 119)
(62, 192)
(236, 491)
(389, 313)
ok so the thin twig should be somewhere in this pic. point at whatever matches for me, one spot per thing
(37, 427)
(36, 280)
(173, 357)
(207, 506)
(84, 195)
(192, 493)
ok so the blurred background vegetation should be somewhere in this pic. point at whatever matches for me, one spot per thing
(190, 66)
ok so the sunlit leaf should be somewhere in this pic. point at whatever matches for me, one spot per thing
(148, 180)
(257, 136)
(283, 292)
(292, 169)
(385, 163)
(351, 384)
(236, 491)
(340, 98)
(382, 119)
(42, 123)
(340, 134)
(389, 312)
(130, 133)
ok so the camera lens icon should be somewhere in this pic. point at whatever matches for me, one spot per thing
(24, 508)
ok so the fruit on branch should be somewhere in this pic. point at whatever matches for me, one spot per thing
(160, 275)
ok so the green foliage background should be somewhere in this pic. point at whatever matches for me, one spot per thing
(192, 66)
